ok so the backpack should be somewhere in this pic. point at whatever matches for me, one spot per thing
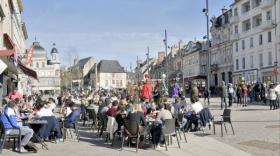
(31, 147)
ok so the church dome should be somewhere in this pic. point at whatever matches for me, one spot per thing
(54, 50)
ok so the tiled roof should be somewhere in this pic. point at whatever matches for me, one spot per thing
(110, 66)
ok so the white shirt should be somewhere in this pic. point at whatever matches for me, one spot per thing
(44, 112)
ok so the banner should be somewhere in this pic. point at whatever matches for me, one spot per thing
(29, 55)
(3, 66)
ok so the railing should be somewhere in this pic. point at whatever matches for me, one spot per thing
(234, 19)
(267, 24)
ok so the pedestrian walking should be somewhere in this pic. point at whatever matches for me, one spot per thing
(206, 95)
(239, 94)
(230, 95)
(224, 95)
(272, 96)
(244, 95)
(194, 93)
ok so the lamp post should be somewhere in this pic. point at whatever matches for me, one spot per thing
(165, 44)
(148, 59)
(206, 11)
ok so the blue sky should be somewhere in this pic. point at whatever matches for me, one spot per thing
(115, 29)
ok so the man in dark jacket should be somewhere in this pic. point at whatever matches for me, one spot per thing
(224, 95)
(194, 93)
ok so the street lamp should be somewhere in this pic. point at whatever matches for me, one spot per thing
(206, 11)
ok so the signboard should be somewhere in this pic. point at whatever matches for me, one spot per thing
(3, 66)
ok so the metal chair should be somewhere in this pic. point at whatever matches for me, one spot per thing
(226, 118)
(2, 136)
(131, 130)
(180, 126)
(169, 130)
(73, 126)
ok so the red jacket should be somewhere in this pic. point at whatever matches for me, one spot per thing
(146, 91)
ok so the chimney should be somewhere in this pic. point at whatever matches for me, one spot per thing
(224, 10)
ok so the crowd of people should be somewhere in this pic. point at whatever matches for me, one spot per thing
(149, 106)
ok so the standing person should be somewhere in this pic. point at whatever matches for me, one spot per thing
(272, 96)
(146, 89)
(156, 94)
(10, 122)
(224, 95)
(175, 90)
(230, 95)
(194, 93)
(206, 96)
(238, 94)
(245, 95)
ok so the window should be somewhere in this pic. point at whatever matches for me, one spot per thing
(236, 29)
(246, 25)
(251, 61)
(106, 83)
(269, 36)
(31, 63)
(260, 39)
(261, 60)
(268, 15)
(243, 63)
(236, 46)
(121, 83)
(237, 64)
(251, 42)
(246, 7)
(37, 64)
(257, 20)
(43, 64)
(243, 44)
(269, 58)
(235, 12)
(113, 81)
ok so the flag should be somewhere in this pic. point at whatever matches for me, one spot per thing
(29, 55)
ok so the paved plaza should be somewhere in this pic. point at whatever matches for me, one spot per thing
(257, 132)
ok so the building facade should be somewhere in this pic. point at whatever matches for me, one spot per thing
(110, 74)
(194, 64)
(221, 49)
(13, 35)
(48, 70)
(254, 34)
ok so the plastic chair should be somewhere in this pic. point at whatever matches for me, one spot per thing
(169, 130)
(226, 118)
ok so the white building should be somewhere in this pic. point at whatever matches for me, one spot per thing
(221, 49)
(48, 70)
(255, 40)
(110, 75)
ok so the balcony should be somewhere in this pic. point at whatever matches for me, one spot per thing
(267, 24)
(265, 4)
(234, 19)
(234, 37)
(214, 67)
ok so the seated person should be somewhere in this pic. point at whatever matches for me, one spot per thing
(156, 129)
(51, 104)
(112, 111)
(164, 113)
(43, 110)
(177, 106)
(10, 122)
(137, 115)
(73, 116)
(192, 118)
